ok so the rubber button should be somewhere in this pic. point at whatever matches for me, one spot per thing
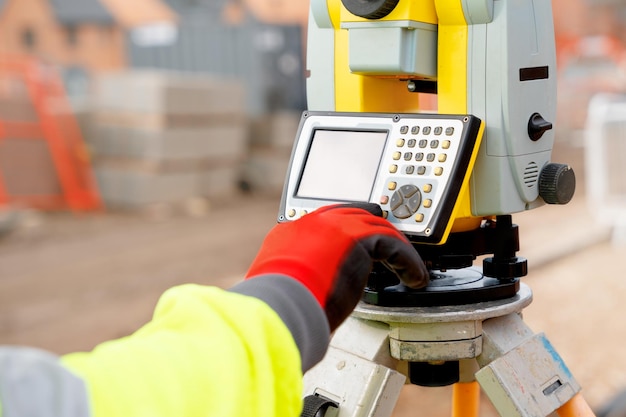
(414, 202)
(396, 201)
(402, 212)
(408, 190)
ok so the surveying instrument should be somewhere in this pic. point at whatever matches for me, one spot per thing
(449, 180)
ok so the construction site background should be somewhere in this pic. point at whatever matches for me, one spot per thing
(187, 133)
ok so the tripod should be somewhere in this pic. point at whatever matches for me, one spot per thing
(487, 345)
(483, 345)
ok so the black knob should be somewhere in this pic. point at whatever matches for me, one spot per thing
(370, 9)
(537, 126)
(317, 406)
(557, 183)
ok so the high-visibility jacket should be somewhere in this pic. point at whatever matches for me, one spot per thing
(206, 352)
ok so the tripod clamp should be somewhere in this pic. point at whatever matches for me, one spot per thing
(319, 406)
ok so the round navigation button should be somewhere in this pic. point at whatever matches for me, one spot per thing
(414, 202)
(405, 201)
(408, 190)
(396, 200)
(402, 212)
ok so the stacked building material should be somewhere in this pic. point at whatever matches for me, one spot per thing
(163, 137)
(26, 166)
(43, 162)
(271, 141)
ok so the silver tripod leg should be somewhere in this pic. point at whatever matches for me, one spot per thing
(365, 367)
(521, 372)
(358, 373)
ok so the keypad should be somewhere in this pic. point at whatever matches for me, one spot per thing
(404, 146)
(421, 159)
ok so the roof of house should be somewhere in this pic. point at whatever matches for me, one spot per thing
(139, 12)
(76, 11)
(279, 11)
(129, 14)
(185, 6)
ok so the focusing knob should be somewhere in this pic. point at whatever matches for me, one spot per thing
(370, 9)
(557, 183)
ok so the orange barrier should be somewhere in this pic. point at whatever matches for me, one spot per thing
(44, 163)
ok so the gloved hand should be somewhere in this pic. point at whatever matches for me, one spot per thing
(331, 252)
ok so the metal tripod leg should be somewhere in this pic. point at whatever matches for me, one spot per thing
(520, 371)
(358, 373)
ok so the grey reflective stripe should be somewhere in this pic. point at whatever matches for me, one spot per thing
(34, 383)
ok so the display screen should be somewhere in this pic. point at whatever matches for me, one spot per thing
(342, 165)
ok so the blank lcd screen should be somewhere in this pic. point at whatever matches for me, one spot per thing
(342, 165)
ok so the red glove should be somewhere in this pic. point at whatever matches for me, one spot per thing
(331, 252)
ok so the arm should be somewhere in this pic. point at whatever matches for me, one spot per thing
(230, 353)
(206, 352)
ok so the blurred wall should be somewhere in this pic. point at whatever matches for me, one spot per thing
(267, 57)
(30, 27)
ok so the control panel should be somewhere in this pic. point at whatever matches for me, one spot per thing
(412, 165)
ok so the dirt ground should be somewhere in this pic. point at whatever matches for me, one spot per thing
(68, 282)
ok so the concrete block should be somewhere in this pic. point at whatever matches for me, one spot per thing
(153, 91)
(156, 122)
(276, 130)
(128, 188)
(284, 128)
(218, 143)
(27, 169)
(135, 184)
(220, 182)
(265, 170)
(17, 109)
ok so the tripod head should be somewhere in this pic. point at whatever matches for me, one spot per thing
(451, 180)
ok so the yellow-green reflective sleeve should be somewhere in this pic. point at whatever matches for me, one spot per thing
(207, 352)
